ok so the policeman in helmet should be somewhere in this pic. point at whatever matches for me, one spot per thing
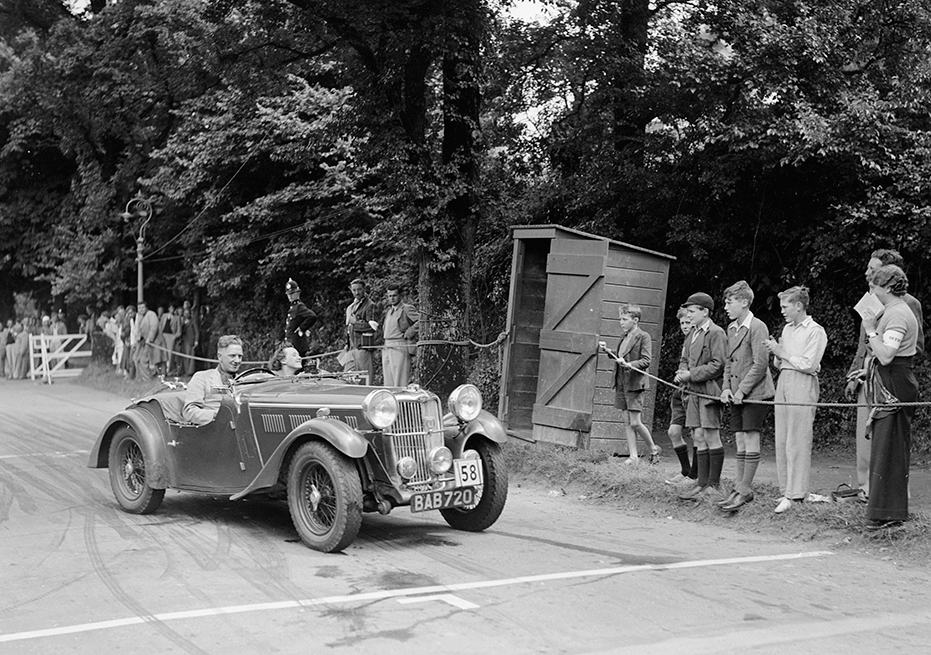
(300, 319)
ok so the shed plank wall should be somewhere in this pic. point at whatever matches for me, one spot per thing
(630, 276)
(636, 278)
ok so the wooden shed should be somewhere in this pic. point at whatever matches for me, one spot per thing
(566, 289)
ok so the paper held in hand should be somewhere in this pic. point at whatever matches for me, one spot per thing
(868, 306)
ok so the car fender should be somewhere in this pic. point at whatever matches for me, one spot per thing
(339, 435)
(458, 434)
(149, 430)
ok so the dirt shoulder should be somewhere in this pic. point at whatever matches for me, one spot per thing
(641, 489)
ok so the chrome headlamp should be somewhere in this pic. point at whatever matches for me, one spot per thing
(465, 402)
(441, 459)
(407, 467)
(380, 408)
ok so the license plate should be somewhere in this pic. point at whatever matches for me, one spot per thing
(442, 499)
(468, 472)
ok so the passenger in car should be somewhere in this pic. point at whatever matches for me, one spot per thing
(202, 400)
(286, 361)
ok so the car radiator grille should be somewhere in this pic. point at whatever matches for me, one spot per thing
(411, 434)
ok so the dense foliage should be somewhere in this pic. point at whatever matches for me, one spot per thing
(778, 141)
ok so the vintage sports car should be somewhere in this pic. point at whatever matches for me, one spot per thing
(334, 449)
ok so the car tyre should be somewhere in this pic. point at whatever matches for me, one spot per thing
(127, 464)
(324, 497)
(494, 492)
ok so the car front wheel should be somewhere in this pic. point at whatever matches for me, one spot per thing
(325, 497)
(127, 464)
(491, 495)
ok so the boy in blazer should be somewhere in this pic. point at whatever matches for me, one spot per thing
(701, 368)
(746, 377)
(633, 357)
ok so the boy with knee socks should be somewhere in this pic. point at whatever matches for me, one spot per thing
(677, 420)
(701, 368)
(746, 377)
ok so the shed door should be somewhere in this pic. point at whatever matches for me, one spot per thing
(562, 412)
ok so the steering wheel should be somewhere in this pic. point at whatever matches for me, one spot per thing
(253, 371)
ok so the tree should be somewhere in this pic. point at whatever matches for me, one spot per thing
(82, 109)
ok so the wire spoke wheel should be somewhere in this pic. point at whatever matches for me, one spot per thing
(132, 468)
(127, 463)
(319, 498)
(324, 497)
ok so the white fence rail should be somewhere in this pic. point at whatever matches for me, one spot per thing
(49, 355)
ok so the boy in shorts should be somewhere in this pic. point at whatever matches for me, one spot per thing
(677, 420)
(633, 357)
(746, 377)
(701, 368)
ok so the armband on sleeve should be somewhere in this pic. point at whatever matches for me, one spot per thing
(892, 339)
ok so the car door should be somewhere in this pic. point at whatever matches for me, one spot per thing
(210, 457)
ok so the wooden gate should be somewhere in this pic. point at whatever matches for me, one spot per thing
(569, 338)
(48, 355)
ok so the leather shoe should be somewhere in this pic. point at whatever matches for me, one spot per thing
(711, 494)
(737, 503)
(692, 493)
(878, 524)
(729, 499)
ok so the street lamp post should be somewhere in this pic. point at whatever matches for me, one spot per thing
(141, 208)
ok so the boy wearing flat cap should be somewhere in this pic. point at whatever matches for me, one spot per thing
(701, 370)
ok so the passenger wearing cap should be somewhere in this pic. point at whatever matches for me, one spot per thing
(701, 370)
(300, 319)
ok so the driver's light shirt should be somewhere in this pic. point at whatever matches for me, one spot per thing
(201, 401)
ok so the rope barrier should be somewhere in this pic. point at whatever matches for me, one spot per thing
(333, 353)
(426, 342)
(752, 401)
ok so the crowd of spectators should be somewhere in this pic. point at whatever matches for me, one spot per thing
(145, 343)
(14, 340)
(139, 342)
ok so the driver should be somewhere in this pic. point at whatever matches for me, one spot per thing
(202, 400)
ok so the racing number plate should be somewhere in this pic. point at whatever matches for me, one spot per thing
(468, 472)
(442, 499)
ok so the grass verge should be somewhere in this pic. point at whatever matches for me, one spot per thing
(641, 489)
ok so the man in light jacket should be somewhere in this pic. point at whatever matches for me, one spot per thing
(202, 399)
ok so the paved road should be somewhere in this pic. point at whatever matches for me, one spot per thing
(554, 575)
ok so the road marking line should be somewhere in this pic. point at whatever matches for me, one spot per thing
(396, 593)
(57, 453)
(455, 601)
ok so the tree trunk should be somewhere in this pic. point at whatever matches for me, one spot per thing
(446, 295)
(633, 18)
